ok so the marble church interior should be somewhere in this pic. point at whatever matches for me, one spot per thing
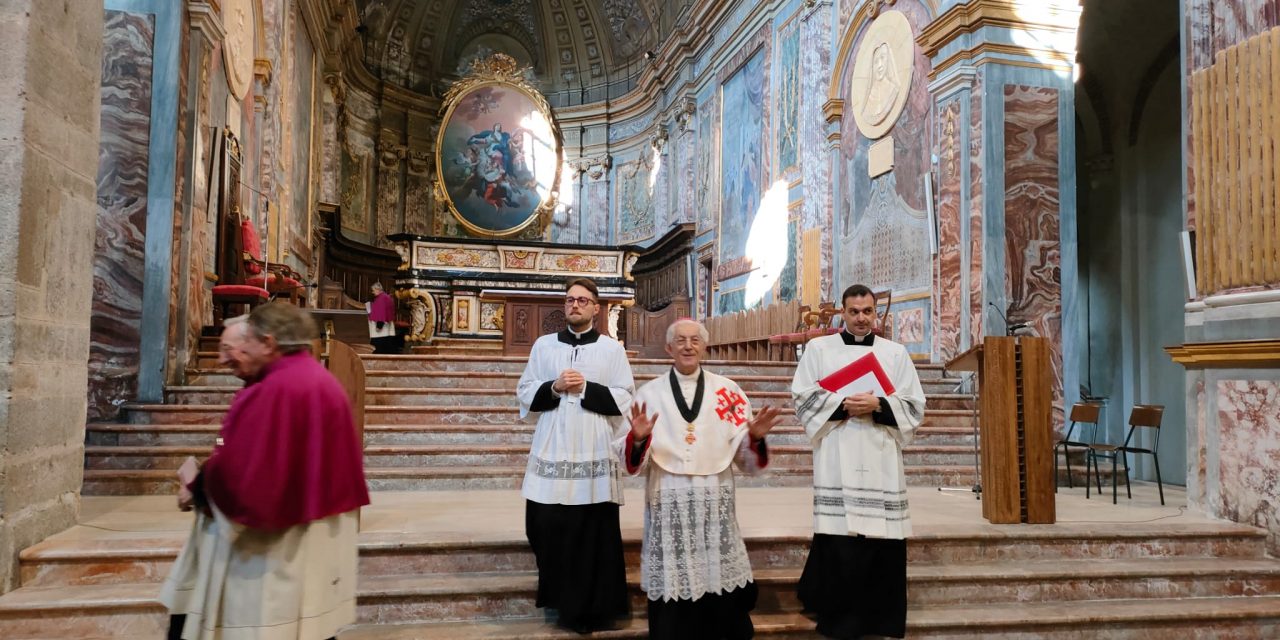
(1104, 175)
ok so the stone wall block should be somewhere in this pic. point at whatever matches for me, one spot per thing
(43, 475)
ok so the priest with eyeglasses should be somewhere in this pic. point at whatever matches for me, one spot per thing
(579, 383)
(689, 429)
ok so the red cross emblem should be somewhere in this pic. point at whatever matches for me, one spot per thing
(731, 407)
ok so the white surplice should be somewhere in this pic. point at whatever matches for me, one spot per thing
(237, 583)
(859, 483)
(692, 544)
(572, 460)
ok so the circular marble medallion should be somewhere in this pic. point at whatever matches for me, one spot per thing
(882, 73)
(238, 45)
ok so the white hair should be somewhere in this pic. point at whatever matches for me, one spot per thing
(231, 322)
(702, 330)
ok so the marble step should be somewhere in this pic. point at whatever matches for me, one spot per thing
(170, 457)
(125, 434)
(508, 380)
(130, 482)
(399, 599)
(435, 396)
(1202, 618)
(639, 366)
(971, 551)
(411, 414)
(131, 611)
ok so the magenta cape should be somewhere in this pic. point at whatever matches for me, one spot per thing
(383, 308)
(290, 452)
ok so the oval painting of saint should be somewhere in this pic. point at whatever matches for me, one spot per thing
(498, 158)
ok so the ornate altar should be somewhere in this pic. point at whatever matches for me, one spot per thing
(504, 290)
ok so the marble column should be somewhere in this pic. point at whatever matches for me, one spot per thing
(1006, 182)
(660, 177)
(391, 156)
(687, 145)
(417, 192)
(595, 209)
(566, 221)
(815, 149)
(331, 121)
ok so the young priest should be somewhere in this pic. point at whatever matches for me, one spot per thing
(860, 400)
(688, 429)
(579, 383)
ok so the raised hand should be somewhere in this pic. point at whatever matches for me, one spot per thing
(641, 422)
(763, 421)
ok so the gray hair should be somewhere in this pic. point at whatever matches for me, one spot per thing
(231, 322)
(293, 328)
(702, 330)
(377, 285)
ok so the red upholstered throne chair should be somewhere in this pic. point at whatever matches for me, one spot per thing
(278, 279)
(261, 282)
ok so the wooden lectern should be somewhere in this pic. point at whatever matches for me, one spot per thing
(1015, 401)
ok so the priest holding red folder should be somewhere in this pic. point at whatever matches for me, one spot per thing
(860, 401)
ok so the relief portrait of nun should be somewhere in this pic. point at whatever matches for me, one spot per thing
(882, 90)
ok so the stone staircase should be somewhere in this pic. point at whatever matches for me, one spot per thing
(447, 421)
(474, 577)
(455, 565)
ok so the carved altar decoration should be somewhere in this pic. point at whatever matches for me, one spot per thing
(499, 151)
(508, 290)
(882, 74)
(422, 313)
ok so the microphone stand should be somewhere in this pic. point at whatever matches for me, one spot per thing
(1009, 330)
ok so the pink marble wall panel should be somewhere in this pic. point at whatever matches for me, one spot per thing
(183, 136)
(1249, 454)
(976, 239)
(199, 304)
(1031, 218)
(1197, 462)
(1210, 27)
(118, 264)
(908, 326)
(1214, 25)
(950, 159)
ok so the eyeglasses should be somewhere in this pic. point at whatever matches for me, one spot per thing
(581, 302)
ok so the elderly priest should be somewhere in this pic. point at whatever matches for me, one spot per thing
(688, 429)
(859, 399)
(272, 554)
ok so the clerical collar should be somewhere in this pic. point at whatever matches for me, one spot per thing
(689, 413)
(864, 341)
(568, 337)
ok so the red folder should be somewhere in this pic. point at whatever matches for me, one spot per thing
(862, 375)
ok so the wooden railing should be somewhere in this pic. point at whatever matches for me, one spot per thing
(1237, 166)
(745, 335)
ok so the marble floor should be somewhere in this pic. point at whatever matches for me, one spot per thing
(471, 515)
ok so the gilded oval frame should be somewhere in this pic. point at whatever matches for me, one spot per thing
(500, 75)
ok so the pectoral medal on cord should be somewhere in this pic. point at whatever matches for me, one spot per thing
(689, 414)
